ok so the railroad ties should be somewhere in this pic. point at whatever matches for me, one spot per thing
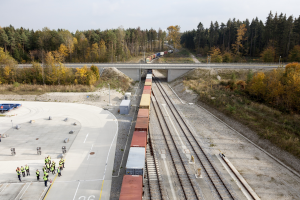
(220, 187)
(186, 177)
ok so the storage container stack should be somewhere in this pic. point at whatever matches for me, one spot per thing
(156, 55)
(132, 185)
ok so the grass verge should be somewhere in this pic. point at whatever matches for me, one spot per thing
(282, 129)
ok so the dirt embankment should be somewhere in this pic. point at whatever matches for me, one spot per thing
(274, 131)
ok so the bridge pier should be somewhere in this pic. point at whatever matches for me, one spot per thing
(175, 73)
(133, 73)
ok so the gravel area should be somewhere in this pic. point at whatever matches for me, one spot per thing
(268, 179)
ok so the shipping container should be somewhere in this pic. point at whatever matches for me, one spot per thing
(143, 113)
(148, 83)
(136, 161)
(157, 54)
(148, 80)
(154, 56)
(147, 87)
(145, 101)
(147, 92)
(165, 52)
(139, 139)
(162, 53)
(149, 75)
(125, 107)
(142, 124)
(132, 188)
(149, 71)
(148, 59)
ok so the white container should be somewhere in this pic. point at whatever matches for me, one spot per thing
(125, 107)
(127, 95)
(136, 161)
(162, 53)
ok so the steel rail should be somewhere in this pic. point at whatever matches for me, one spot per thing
(215, 182)
(178, 162)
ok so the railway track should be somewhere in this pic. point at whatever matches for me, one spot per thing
(221, 188)
(155, 183)
(186, 178)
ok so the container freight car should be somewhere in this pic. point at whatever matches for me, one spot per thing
(136, 161)
(143, 113)
(145, 101)
(165, 52)
(148, 59)
(149, 71)
(148, 80)
(147, 87)
(148, 83)
(142, 124)
(162, 53)
(132, 188)
(147, 92)
(139, 139)
(158, 54)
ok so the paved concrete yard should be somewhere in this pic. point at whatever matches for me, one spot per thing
(85, 176)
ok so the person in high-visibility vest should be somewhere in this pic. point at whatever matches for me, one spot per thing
(23, 171)
(62, 162)
(46, 160)
(46, 180)
(37, 175)
(58, 171)
(52, 169)
(48, 167)
(27, 170)
(53, 164)
(18, 173)
(49, 159)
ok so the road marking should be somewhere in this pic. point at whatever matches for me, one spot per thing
(50, 186)
(25, 190)
(101, 190)
(170, 182)
(3, 186)
(42, 194)
(21, 191)
(76, 190)
(79, 180)
(90, 152)
(86, 137)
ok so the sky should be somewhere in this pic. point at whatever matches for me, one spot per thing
(109, 14)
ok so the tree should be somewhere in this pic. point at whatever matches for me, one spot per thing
(4, 39)
(294, 55)
(216, 55)
(268, 55)
(240, 38)
(63, 50)
(174, 36)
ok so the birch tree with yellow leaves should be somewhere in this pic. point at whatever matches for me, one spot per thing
(174, 36)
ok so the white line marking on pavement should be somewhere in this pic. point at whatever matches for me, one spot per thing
(78, 180)
(3, 187)
(42, 194)
(25, 190)
(170, 182)
(175, 94)
(76, 190)
(90, 152)
(86, 137)
(21, 191)
(110, 149)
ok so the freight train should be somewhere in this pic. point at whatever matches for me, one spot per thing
(157, 55)
(132, 185)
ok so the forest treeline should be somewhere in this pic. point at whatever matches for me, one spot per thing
(82, 46)
(276, 38)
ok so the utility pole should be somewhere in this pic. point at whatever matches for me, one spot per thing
(279, 60)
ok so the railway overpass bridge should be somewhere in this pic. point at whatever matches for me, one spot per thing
(133, 70)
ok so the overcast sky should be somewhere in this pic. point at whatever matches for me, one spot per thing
(106, 14)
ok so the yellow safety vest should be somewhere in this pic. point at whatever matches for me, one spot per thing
(45, 178)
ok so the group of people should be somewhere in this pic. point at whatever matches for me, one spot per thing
(49, 167)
